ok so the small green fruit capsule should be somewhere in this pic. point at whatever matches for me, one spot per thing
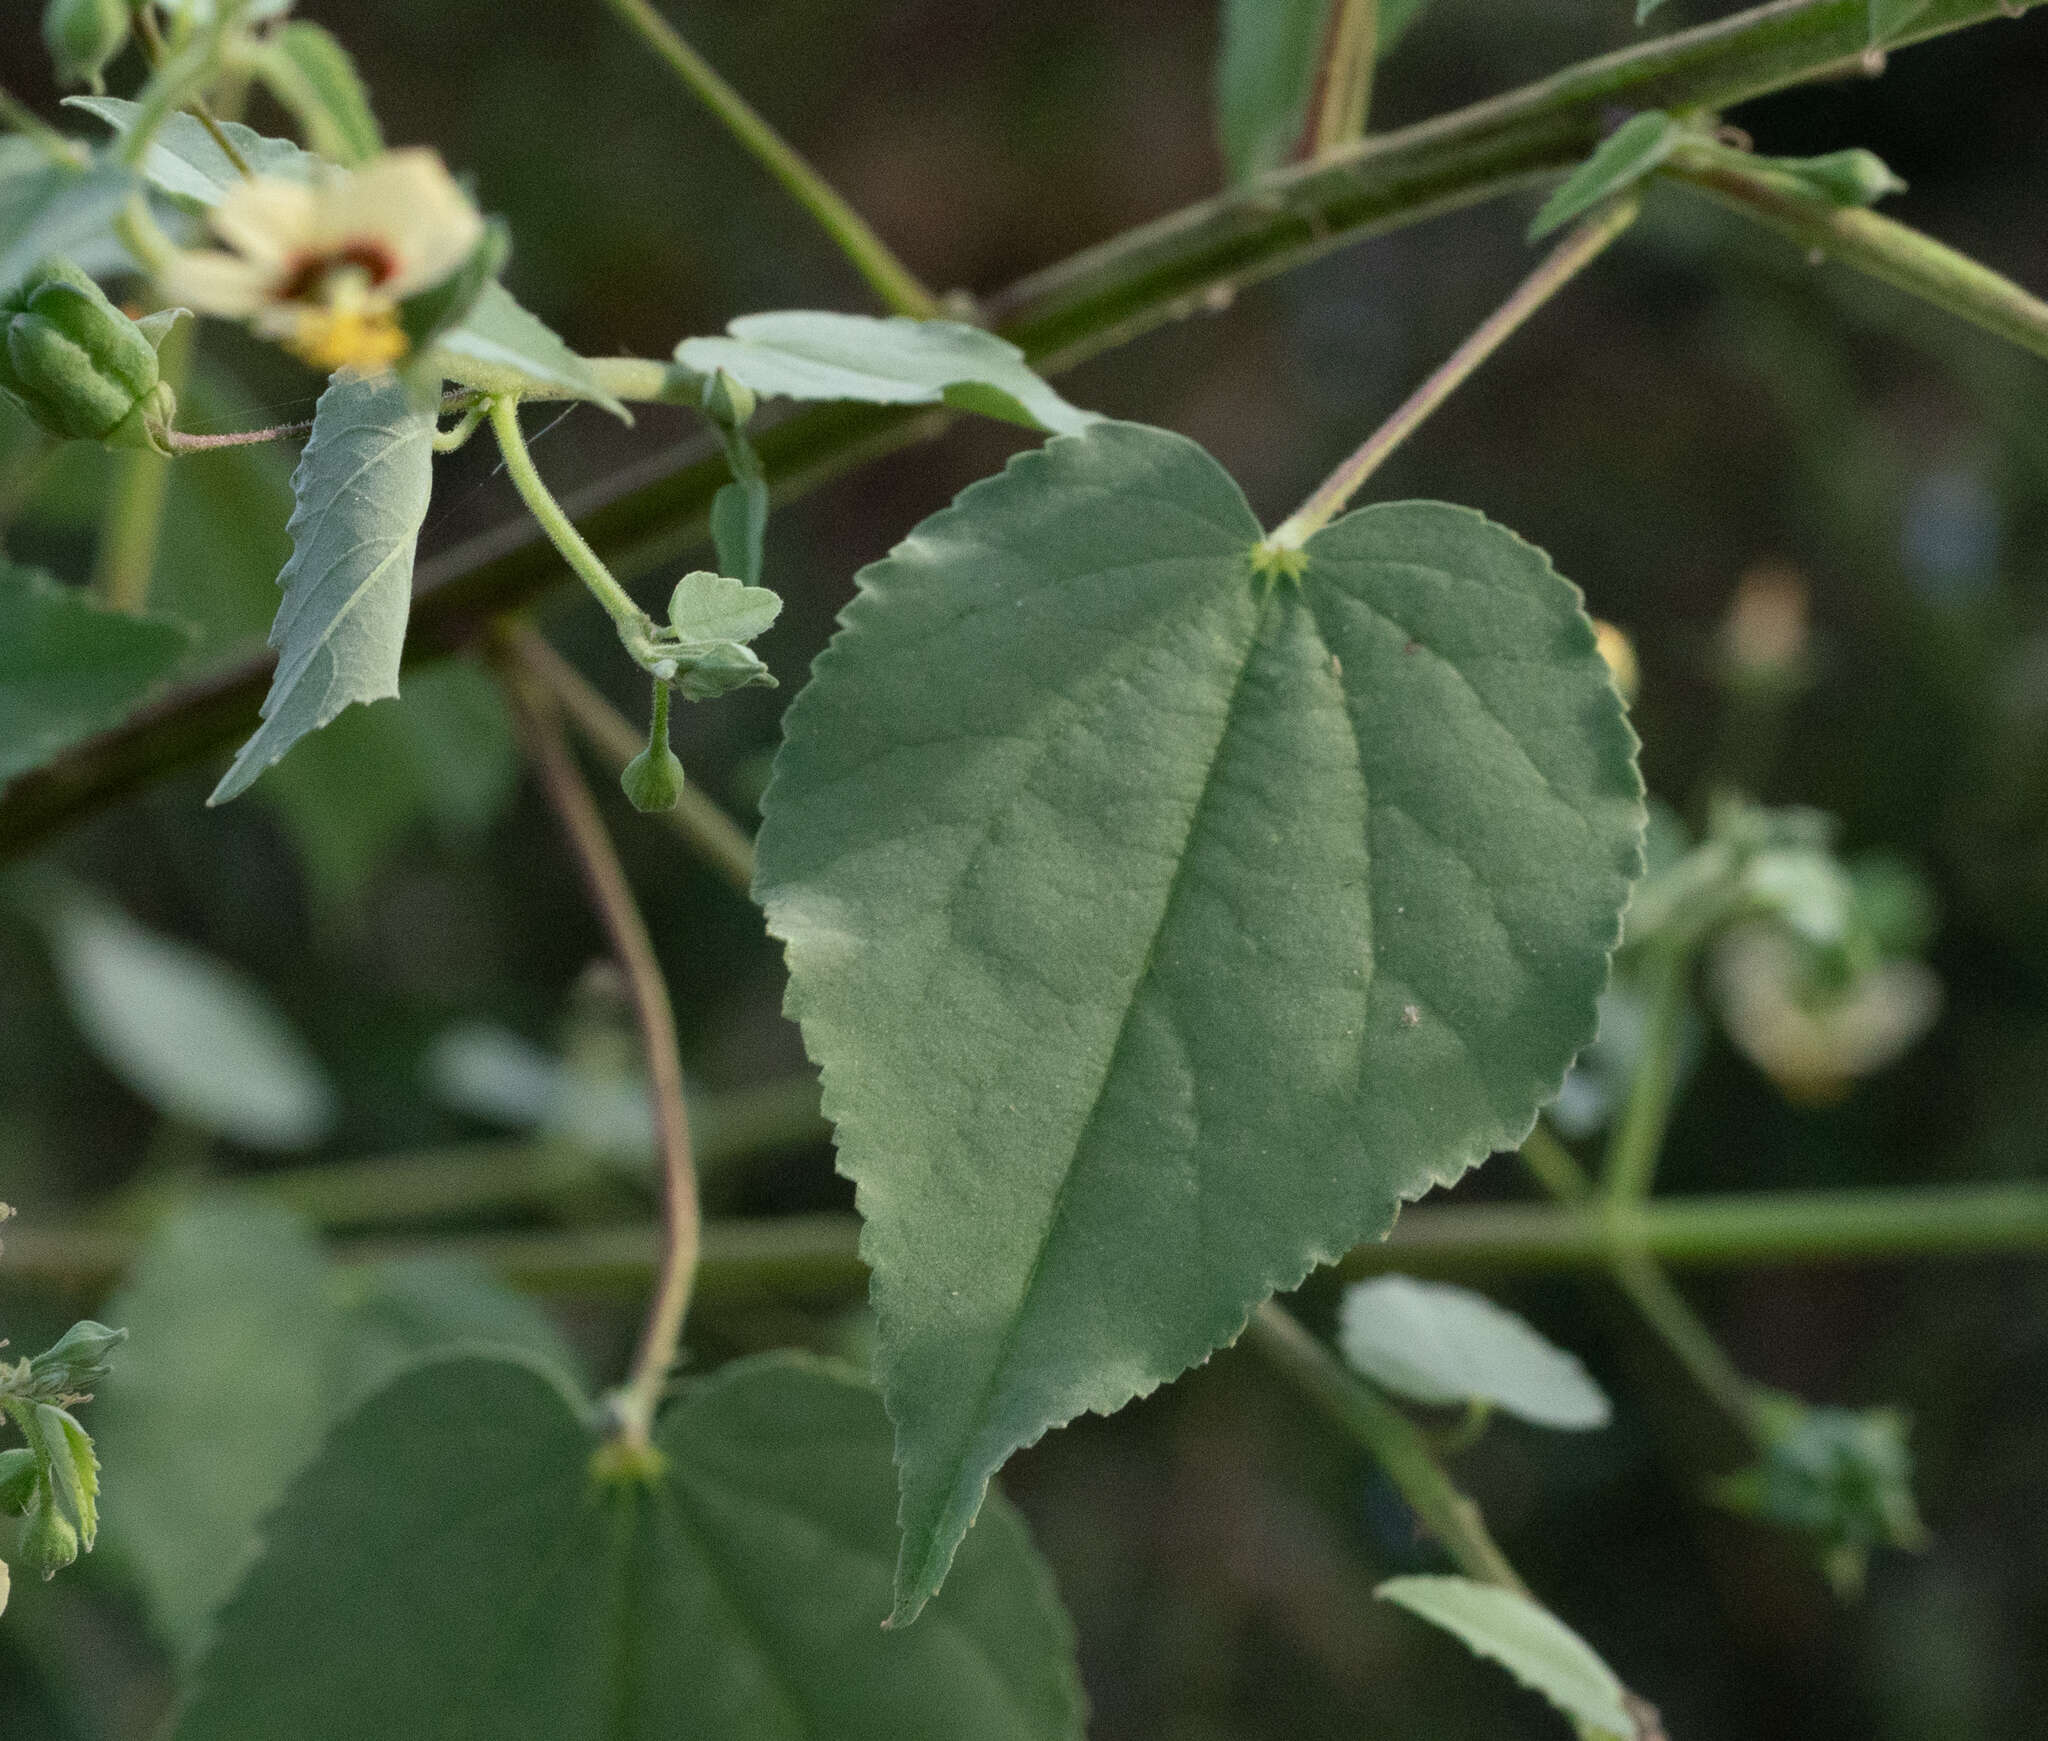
(78, 365)
(49, 1543)
(1850, 178)
(77, 1360)
(82, 36)
(653, 779)
(17, 1480)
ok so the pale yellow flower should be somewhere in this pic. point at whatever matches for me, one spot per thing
(321, 267)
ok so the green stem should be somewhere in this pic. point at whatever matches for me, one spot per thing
(612, 897)
(133, 521)
(561, 531)
(890, 279)
(1401, 1448)
(1578, 250)
(449, 439)
(712, 834)
(156, 52)
(1891, 251)
(1638, 1136)
(1105, 296)
(30, 125)
(1348, 65)
(817, 1255)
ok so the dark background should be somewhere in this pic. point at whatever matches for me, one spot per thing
(1702, 401)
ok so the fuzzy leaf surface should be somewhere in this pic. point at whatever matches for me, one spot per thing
(1526, 1639)
(69, 667)
(1436, 1343)
(361, 491)
(452, 1553)
(185, 163)
(800, 354)
(54, 209)
(1160, 928)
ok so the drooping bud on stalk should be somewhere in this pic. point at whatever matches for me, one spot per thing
(653, 779)
(79, 366)
(82, 36)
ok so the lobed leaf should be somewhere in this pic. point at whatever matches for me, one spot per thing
(69, 667)
(1160, 926)
(1526, 1639)
(361, 492)
(249, 1345)
(898, 361)
(1435, 1343)
(1624, 157)
(458, 1550)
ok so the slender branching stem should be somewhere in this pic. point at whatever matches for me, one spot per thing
(1350, 55)
(133, 521)
(1578, 250)
(1638, 1136)
(710, 832)
(561, 530)
(155, 50)
(184, 441)
(1870, 242)
(890, 279)
(1401, 1448)
(540, 735)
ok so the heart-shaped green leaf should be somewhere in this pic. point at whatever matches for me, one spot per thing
(454, 1565)
(1160, 924)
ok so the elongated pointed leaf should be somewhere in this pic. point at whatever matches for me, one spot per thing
(454, 1553)
(1268, 70)
(1626, 155)
(805, 355)
(1441, 1344)
(1889, 19)
(316, 77)
(1526, 1639)
(69, 667)
(361, 487)
(1159, 926)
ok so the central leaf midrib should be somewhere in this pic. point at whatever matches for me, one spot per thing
(999, 1366)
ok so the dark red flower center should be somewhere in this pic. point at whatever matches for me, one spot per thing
(309, 272)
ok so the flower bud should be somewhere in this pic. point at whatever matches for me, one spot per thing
(78, 1358)
(78, 365)
(1848, 178)
(82, 36)
(49, 1543)
(17, 1480)
(720, 668)
(653, 779)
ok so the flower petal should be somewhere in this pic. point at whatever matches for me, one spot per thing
(211, 282)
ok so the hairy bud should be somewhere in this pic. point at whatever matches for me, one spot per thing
(653, 779)
(49, 1542)
(78, 365)
(77, 1360)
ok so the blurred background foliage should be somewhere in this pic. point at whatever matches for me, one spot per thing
(1703, 405)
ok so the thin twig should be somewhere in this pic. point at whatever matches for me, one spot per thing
(154, 49)
(721, 842)
(184, 441)
(540, 735)
(1578, 250)
(871, 256)
(1401, 1447)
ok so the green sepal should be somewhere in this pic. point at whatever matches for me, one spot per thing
(17, 1480)
(728, 403)
(79, 366)
(77, 1360)
(425, 317)
(719, 669)
(83, 36)
(1843, 178)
